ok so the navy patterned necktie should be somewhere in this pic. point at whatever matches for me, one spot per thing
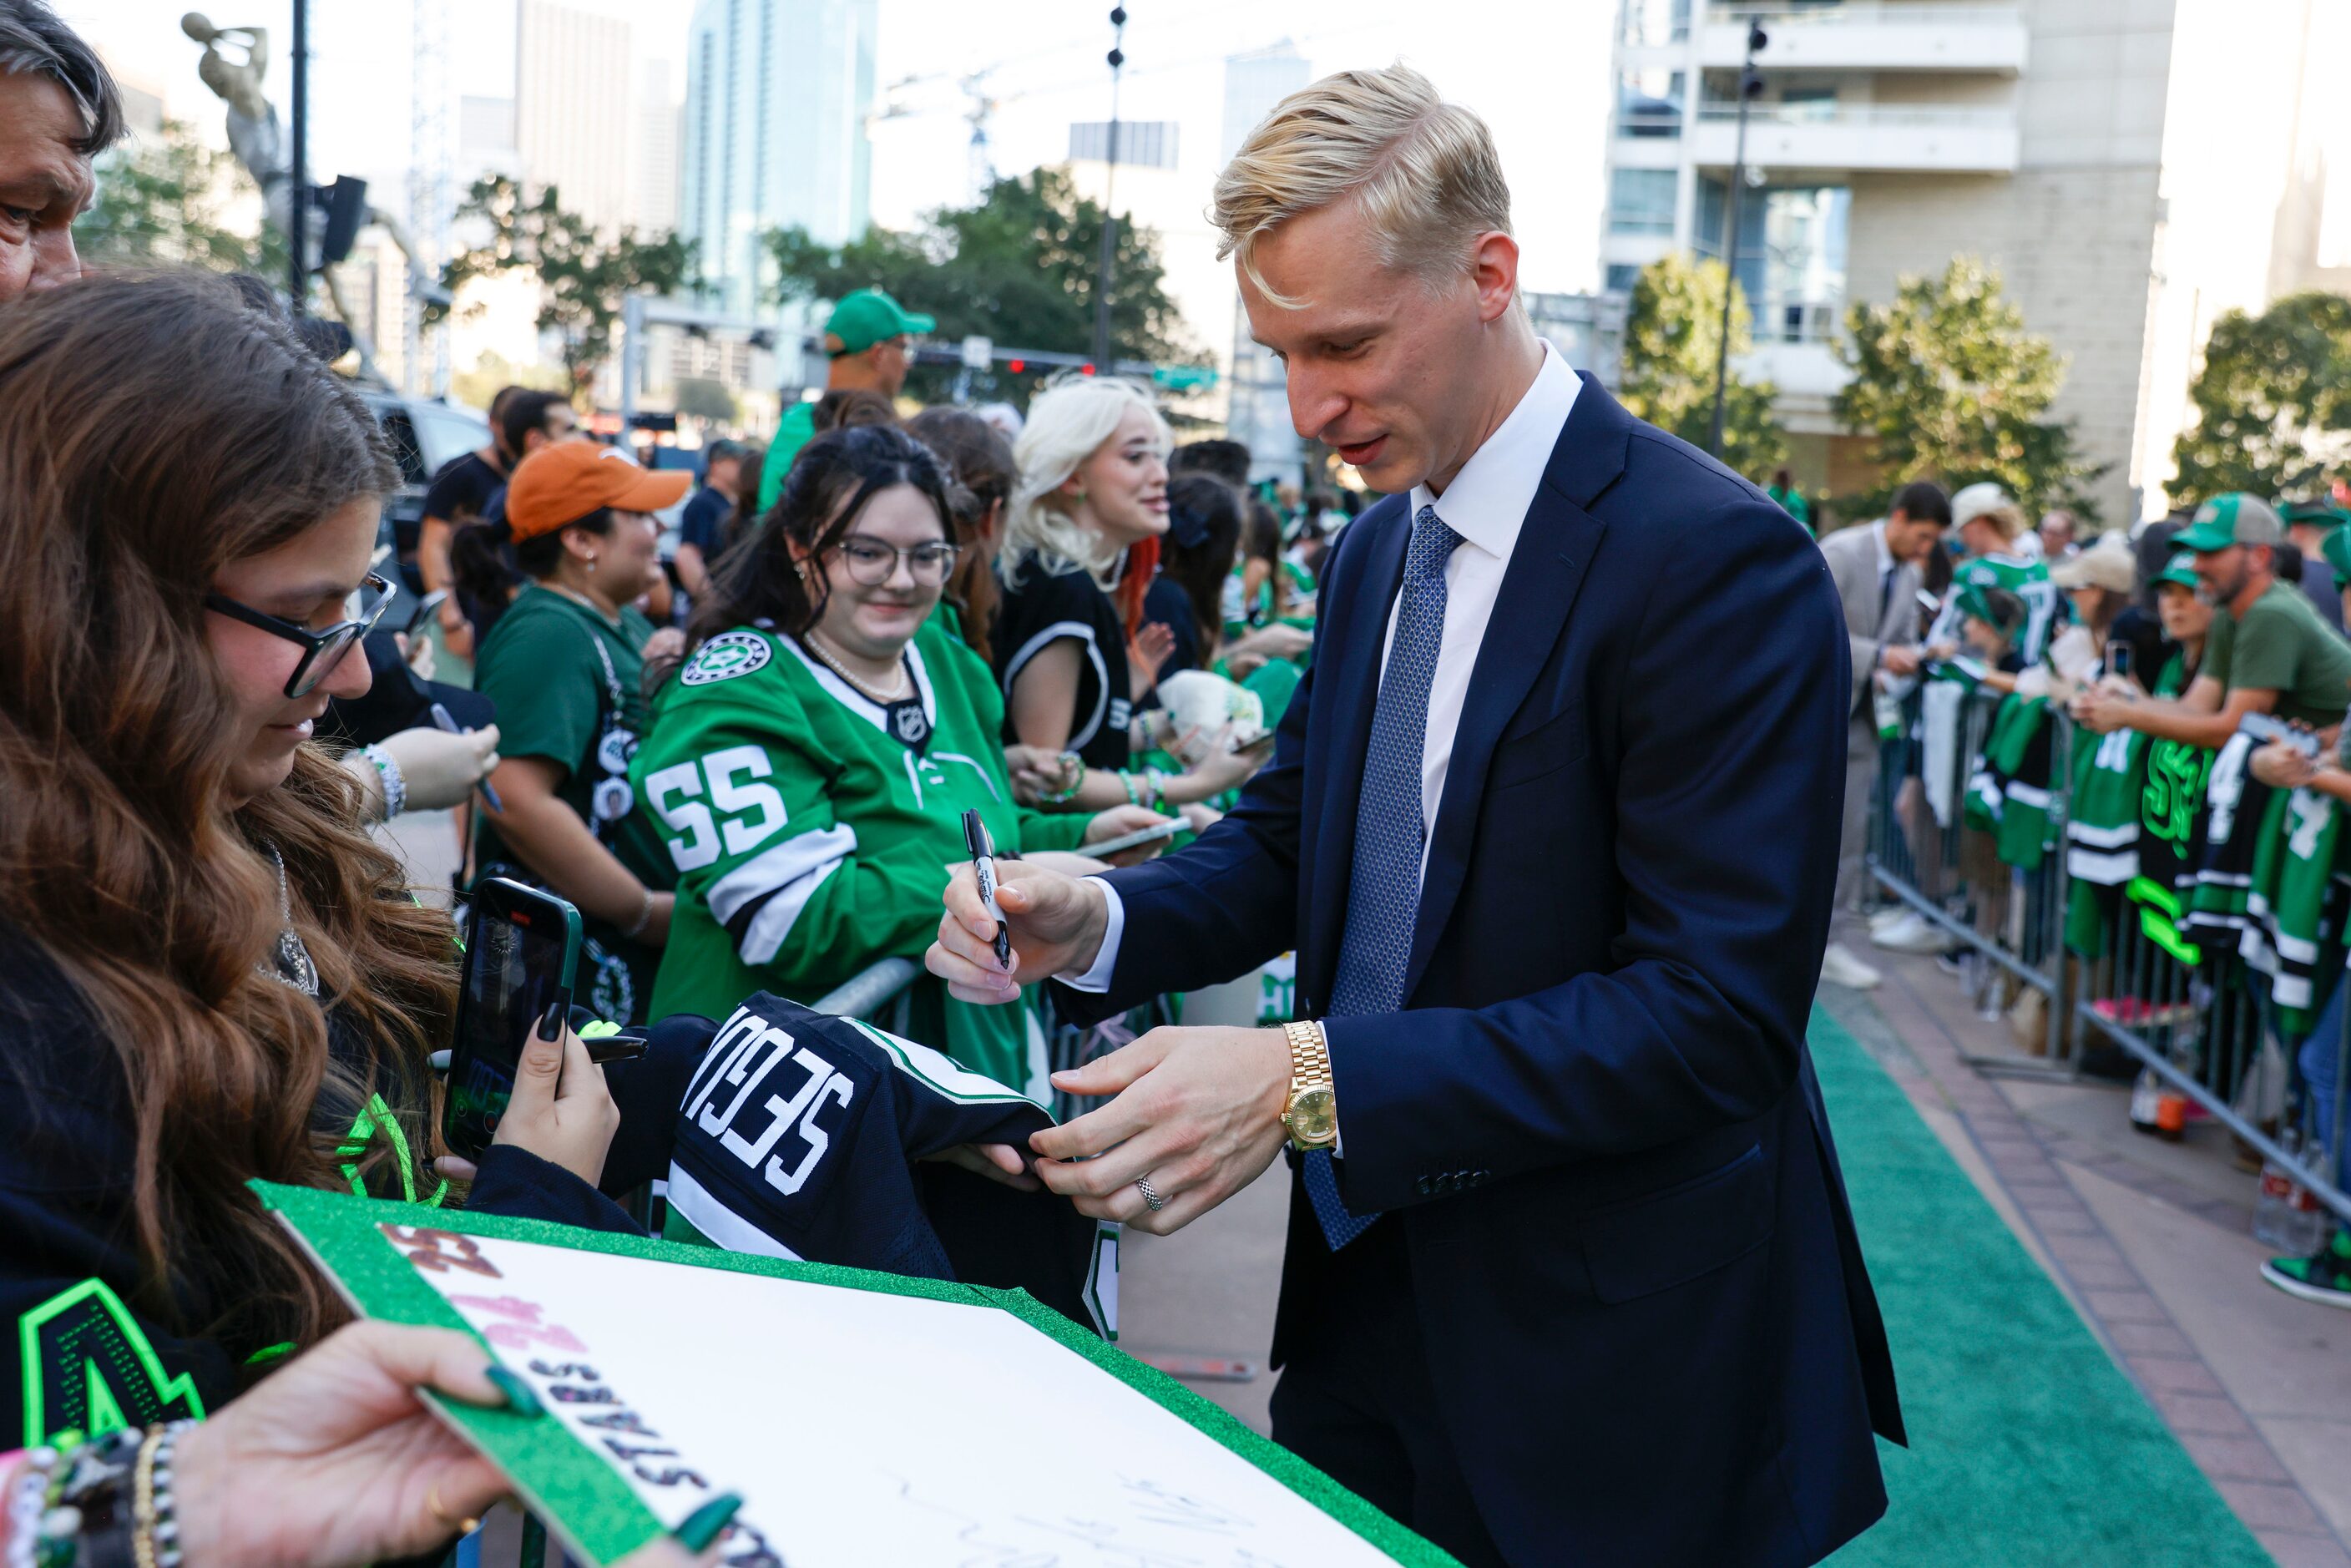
(1391, 830)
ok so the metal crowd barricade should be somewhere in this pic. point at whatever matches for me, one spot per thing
(2192, 1009)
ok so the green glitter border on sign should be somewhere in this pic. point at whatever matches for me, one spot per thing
(589, 1503)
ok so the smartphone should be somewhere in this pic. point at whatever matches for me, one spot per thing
(2263, 727)
(423, 610)
(522, 947)
(2118, 658)
(1167, 829)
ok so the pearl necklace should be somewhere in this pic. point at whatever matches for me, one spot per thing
(903, 687)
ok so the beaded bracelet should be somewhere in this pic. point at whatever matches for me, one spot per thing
(1158, 782)
(27, 1501)
(395, 786)
(1134, 795)
(155, 1501)
(87, 1518)
(1073, 769)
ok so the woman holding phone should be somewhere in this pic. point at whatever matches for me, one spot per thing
(809, 761)
(209, 973)
(565, 666)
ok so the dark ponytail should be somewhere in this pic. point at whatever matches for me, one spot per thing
(478, 568)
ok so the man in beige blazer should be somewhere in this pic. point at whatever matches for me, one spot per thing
(1876, 573)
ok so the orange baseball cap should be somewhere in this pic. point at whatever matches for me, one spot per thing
(556, 486)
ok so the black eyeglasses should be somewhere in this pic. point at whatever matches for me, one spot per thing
(872, 563)
(321, 651)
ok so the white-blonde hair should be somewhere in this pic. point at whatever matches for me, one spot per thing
(1423, 171)
(1067, 424)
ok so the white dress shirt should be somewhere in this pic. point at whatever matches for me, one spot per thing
(1487, 505)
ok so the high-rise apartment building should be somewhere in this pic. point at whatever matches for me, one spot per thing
(2117, 160)
(776, 95)
(573, 89)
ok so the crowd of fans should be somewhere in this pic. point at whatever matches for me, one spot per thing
(740, 737)
(2205, 690)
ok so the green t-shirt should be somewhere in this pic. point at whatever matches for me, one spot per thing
(1793, 502)
(2283, 646)
(794, 431)
(557, 699)
(810, 839)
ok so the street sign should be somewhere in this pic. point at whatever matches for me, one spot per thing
(977, 354)
(1184, 378)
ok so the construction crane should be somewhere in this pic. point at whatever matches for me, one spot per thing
(980, 109)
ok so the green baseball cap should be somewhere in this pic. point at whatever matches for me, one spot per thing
(2181, 569)
(2336, 548)
(867, 318)
(2318, 513)
(2235, 518)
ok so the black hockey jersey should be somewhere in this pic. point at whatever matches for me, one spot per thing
(806, 1135)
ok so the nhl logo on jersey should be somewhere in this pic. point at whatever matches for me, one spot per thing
(910, 724)
(725, 657)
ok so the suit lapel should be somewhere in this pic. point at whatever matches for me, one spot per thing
(1355, 676)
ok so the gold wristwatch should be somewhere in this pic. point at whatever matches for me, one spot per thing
(1311, 1112)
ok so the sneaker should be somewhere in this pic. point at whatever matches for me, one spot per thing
(2325, 1277)
(1840, 967)
(1879, 919)
(1914, 932)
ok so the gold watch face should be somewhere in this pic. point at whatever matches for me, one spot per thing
(1313, 1115)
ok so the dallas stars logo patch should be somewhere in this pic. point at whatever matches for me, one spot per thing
(725, 657)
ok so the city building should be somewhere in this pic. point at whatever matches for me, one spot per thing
(1257, 404)
(778, 94)
(2111, 160)
(652, 161)
(573, 80)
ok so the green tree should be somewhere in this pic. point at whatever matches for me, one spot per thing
(162, 201)
(1018, 267)
(583, 275)
(700, 397)
(2272, 402)
(1673, 330)
(1946, 381)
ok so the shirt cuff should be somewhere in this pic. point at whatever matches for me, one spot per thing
(1096, 978)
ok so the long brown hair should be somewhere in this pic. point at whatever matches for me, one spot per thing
(152, 431)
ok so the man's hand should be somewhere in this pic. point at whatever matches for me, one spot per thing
(1199, 1114)
(2101, 709)
(2282, 767)
(1901, 660)
(1056, 923)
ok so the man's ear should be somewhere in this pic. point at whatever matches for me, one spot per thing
(1494, 269)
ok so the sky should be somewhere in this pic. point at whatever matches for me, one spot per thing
(1536, 70)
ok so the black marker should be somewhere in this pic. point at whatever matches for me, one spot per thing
(442, 722)
(983, 865)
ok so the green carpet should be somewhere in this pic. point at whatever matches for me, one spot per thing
(2027, 1444)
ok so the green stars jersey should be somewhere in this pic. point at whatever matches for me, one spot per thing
(812, 835)
(2027, 576)
(2008, 794)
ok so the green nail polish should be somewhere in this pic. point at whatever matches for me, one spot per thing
(519, 1398)
(708, 1522)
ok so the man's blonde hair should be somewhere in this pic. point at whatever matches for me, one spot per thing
(1424, 172)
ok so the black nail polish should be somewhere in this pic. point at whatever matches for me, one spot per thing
(551, 1022)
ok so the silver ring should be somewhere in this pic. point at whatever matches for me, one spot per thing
(1156, 1202)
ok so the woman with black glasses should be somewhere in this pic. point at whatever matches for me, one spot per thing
(809, 762)
(413, 770)
(209, 973)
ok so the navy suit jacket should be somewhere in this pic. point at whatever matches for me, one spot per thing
(1642, 1302)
